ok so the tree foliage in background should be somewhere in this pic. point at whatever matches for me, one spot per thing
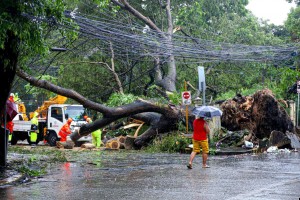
(117, 99)
(293, 24)
(228, 21)
(297, 2)
(23, 26)
(93, 69)
(41, 93)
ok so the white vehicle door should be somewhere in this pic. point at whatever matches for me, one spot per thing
(56, 119)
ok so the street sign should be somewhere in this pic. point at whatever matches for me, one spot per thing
(298, 87)
(186, 98)
(202, 84)
(201, 74)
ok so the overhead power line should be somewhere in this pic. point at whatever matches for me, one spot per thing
(133, 39)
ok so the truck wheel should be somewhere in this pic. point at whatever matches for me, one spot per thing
(51, 139)
(14, 140)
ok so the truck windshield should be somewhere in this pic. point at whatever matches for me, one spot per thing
(75, 112)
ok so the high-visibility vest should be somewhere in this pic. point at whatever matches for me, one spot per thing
(64, 131)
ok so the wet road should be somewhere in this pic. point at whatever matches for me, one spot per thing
(119, 175)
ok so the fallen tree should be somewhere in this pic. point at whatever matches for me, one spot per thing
(260, 113)
(159, 118)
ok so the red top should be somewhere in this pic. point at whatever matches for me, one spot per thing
(199, 131)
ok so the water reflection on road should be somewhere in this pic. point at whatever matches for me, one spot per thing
(135, 175)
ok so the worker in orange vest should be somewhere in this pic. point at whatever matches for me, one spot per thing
(65, 130)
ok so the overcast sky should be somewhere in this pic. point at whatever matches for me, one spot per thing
(274, 10)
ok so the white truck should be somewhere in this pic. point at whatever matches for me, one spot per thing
(57, 116)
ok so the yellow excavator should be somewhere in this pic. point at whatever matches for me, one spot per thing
(42, 110)
(22, 110)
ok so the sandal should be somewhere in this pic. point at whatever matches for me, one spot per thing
(205, 166)
(189, 166)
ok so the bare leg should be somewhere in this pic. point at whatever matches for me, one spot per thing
(204, 158)
(193, 154)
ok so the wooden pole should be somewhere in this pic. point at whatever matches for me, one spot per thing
(186, 111)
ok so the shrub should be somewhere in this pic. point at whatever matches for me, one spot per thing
(170, 143)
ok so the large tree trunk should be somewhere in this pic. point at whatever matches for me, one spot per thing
(160, 118)
(8, 64)
(158, 124)
(167, 81)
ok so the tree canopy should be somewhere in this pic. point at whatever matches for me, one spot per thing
(142, 46)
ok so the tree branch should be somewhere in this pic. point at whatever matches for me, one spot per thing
(113, 69)
(122, 111)
(125, 5)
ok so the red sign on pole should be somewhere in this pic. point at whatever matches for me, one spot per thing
(186, 98)
(186, 95)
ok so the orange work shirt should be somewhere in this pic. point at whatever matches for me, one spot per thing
(64, 132)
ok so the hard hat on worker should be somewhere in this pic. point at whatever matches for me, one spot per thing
(70, 120)
(85, 117)
(89, 120)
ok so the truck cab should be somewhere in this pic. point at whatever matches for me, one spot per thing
(58, 115)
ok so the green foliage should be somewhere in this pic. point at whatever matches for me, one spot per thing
(35, 161)
(171, 143)
(282, 79)
(118, 99)
(212, 151)
(226, 95)
(28, 21)
(286, 77)
(293, 23)
(228, 21)
(174, 97)
(35, 92)
(51, 154)
(31, 172)
(297, 2)
(181, 126)
(116, 133)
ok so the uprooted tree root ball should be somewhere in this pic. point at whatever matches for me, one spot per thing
(260, 113)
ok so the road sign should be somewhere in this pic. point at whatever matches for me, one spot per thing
(186, 98)
(298, 86)
(202, 84)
